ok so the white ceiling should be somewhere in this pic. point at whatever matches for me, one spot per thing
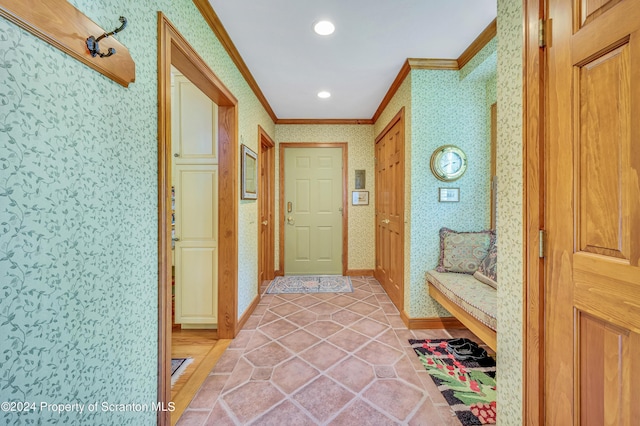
(358, 62)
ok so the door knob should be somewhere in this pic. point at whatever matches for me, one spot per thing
(176, 155)
(385, 221)
(175, 239)
(265, 223)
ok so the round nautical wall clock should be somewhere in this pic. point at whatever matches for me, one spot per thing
(448, 163)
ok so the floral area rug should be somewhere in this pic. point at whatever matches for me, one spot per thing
(310, 284)
(464, 374)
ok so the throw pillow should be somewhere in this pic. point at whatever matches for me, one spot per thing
(463, 251)
(488, 270)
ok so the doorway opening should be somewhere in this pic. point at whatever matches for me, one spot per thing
(174, 50)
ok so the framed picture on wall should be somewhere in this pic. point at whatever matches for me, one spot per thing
(360, 198)
(361, 179)
(249, 167)
(448, 195)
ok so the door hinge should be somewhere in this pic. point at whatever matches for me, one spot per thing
(541, 235)
(542, 33)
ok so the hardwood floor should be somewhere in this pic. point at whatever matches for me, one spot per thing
(205, 348)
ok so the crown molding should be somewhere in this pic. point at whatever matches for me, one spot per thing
(218, 29)
(437, 64)
(404, 72)
(411, 63)
(479, 43)
(433, 64)
(324, 121)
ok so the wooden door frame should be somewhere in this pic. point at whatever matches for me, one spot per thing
(534, 122)
(345, 197)
(266, 148)
(173, 49)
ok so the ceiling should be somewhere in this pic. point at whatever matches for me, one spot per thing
(358, 62)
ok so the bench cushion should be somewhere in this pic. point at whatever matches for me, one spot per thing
(463, 251)
(478, 299)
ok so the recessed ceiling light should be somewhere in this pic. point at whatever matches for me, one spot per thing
(324, 27)
(324, 94)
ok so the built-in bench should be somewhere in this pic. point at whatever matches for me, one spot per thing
(471, 301)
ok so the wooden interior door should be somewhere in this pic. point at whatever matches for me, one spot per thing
(389, 269)
(266, 207)
(592, 288)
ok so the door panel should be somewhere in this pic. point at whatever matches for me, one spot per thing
(313, 229)
(303, 243)
(194, 124)
(196, 298)
(390, 212)
(604, 151)
(591, 9)
(325, 237)
(302, 196)
(593, 213)
(603, 356)
(198, 211)
(325, 196)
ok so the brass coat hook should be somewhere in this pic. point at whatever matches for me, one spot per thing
(92, 42)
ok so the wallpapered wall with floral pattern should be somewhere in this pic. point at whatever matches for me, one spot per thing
(78, 216)
(448, 107)
(360, 157)
(510, 211)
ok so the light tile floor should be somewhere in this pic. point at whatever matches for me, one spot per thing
(323, 359)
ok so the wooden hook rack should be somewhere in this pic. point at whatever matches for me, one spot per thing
(63, 26)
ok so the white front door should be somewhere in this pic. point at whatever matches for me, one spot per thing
(313, 211)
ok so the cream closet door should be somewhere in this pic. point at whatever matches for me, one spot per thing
(195, 177)
(313, 211)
